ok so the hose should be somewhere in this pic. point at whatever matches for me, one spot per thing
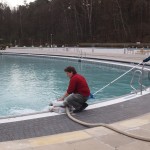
(106, 126)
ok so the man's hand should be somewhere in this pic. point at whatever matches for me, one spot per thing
(61, 99)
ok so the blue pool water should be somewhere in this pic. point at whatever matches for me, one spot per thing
(29, 83)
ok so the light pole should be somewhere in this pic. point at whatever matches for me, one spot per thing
(51, 40)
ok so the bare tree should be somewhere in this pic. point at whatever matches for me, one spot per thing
(87, 6)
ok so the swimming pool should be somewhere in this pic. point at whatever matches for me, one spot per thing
(29, 83)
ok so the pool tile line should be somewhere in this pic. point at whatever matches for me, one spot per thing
(106, 62)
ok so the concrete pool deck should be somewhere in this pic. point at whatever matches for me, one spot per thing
(60, 133)
(94, 138)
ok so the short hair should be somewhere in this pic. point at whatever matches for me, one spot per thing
(70, 69)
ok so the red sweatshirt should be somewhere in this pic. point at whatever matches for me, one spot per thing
(78, 85)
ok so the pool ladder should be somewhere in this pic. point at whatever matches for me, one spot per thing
(140, 80)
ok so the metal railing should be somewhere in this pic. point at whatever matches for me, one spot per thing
(140, 80)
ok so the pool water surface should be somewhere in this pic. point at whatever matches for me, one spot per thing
(29, 83)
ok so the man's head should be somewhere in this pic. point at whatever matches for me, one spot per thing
(70, 71)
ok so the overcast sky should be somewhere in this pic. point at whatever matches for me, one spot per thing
(14, 3)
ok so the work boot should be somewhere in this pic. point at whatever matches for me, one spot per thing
(84, 106)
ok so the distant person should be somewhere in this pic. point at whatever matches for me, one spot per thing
(146, 59)
(78, 91)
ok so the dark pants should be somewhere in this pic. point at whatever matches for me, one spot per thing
(75, 100)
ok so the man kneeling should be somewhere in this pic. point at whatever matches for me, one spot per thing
(78, 91)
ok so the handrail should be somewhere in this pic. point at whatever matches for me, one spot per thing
(117, 79)
(140, 80)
